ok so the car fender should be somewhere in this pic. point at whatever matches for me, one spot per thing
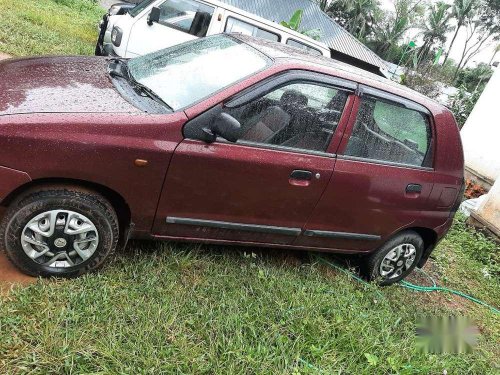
(10, 180)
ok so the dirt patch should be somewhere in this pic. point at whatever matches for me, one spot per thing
(10, 276)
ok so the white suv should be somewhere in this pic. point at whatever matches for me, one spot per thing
(130, 31)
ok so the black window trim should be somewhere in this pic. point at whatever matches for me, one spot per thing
(251, 24)
(172, 26)
(304, 44)
(383, 162)
(265, 146)
(261, 89)
(379, 94)
(280, 80)
(271, 83)
(393, 99)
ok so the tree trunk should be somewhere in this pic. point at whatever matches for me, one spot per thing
(459, 26)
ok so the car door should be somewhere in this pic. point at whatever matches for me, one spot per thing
(383, 175)
(263, 187)
(179, 21)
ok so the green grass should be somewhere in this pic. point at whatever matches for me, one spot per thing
(42, 27)
(165, 308)
(171, 308)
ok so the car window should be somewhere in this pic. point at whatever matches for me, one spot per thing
(388, 131)
(186, 15)
(298, 115)
(237, 26)
(186, 73)
(303, 46)
(140, 7)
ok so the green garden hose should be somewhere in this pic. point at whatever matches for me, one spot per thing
(418, 288)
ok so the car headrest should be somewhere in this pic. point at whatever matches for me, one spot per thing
(292, 99)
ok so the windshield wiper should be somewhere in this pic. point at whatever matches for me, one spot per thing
(146, 90)
(119, 68)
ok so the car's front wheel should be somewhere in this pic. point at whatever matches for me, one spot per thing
(395, 260)
(59, 232)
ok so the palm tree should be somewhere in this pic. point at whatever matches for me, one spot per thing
(391, 29)
(435, 27)
(356, 16)
(461, 10)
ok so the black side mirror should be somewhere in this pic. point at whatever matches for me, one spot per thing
(223, 125)
(154, 16)
(227, 127)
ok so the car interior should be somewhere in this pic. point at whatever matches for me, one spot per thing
(290, 121)
(370, 142)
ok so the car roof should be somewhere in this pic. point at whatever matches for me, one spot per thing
(286, 55)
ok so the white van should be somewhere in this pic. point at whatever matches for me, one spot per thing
(130, 31)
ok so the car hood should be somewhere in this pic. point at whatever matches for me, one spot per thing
(59, 85)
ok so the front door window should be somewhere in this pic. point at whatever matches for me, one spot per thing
(300, 116)
(186, 15)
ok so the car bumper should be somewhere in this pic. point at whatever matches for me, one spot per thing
(103, 45)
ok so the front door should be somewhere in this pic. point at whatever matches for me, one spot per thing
(262, 188)
(180, 21)
(383, 176)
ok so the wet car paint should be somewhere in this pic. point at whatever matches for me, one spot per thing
(88, 132)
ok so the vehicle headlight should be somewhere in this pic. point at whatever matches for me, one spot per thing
(116, 36)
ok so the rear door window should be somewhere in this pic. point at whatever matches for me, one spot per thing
(186, 15)
(234, 25)
(388, 131)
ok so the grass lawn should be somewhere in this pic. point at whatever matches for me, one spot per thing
(173, 308)
(165, 308)
(48, 27)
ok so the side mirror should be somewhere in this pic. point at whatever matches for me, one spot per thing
(223, 125)
(227, 127)
(154, 16)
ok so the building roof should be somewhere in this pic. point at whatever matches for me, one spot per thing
(333, 35)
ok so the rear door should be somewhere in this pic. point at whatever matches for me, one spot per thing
(262, 188)
(180, 21)
(383, 175)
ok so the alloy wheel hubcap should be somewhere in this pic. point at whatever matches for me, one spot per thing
(397, 261)
(59, 238)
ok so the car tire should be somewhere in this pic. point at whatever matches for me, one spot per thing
(75, 230)
(396, 259)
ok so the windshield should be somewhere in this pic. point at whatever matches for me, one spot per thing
(184, 74)
(139, 7)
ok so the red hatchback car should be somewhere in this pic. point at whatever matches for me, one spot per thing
(226, 139)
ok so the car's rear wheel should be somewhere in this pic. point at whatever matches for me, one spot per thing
(60, 232)
(395, 260)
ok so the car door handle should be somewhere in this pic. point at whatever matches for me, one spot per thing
(300, 177)
(413, 188)
(300, 174)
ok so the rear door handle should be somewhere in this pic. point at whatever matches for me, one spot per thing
(413, 188)
(300, 174)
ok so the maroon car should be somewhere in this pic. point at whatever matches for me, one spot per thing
(226, 139)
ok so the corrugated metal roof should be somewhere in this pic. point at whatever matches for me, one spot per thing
(333, 35)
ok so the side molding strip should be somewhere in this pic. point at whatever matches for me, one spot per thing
(345, 235)
(235, 226)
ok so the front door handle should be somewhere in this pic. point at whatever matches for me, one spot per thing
(413, 188)
(300, 177)
(300, 174)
